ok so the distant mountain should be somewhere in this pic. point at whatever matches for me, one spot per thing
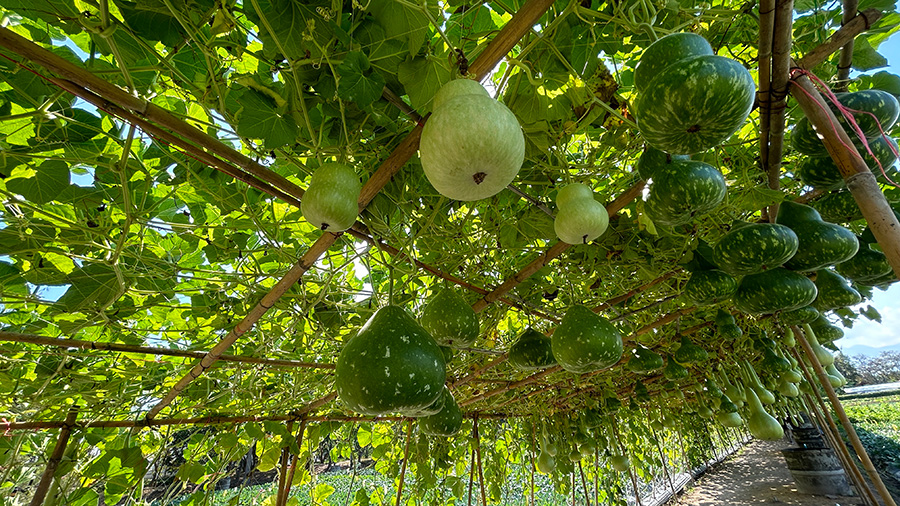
(861, 349)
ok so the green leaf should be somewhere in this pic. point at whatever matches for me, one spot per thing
(291, 28)
(269, 459)
(865, 57)
(871, 313)
(401, 21)
(259, 119)
(322, 492)
(358, 83)
(883, 80)
(95, 284)
(49, 180)
(151, 24)
(422, 77)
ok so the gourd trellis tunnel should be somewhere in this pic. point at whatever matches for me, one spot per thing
(153, 161)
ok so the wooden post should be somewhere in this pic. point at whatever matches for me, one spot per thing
(405, 462)
(55, 458)
(478, 456)
(842, 415)
(293, 466)
(846, 59)
(764, 96)
(587, 499)
(282, 471)
(860, 180)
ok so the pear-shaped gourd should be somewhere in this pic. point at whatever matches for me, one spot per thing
(330, 202)
(580, 219)
(837, 379)
(689, 353)
(674, 371)
(792, 376)
(822, 244)
(450, 320)
(774, 364)
(619, 462)
(585, 342)
(726, 326)
(834, 291)
(391, 365)
(472, 146)
(761, 424)
(867, 265)
(729, 419)
(825, 331)
(644, 361)
(824, 357)
(774, 290)
(788, 389)
(682, 190)
(652, 159)
(445, 422)
(709, 287)
(798, 316)
(574, 454)
(755, 247)
(546, 464)
(532, 350)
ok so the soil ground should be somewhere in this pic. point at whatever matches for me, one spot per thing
(756, 475)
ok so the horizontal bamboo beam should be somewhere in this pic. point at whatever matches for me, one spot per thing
(860, 23)
(221, 420)
(16, 337)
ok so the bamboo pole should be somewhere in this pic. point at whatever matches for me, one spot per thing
(842, 415)
(850, 29)
(477, 438)
(764, 96)
(405, 462)
(781, 62)
(838, 443)
(221, 420)
(840, 448)
(587, 499)
(631, 293)
(512, 386)
(860, 180)
(294, 460)
(55, 458)
(16, 337)
(845, 61)
(282, 471)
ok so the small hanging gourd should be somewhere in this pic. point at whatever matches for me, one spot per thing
(585, 341)
(761, 424)
(689, 353)
(330, 203)
(580, 219)
(822, 355)
(450, 320)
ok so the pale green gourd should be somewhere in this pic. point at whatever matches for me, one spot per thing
(546, 463)
(824, 356)
(727, 419)
(761, 424)
(788, 389)
(619, 462)
(788, 339)
(835, 377)
(580, 219)
(792, 376)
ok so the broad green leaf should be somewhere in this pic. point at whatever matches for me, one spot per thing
(150, 24)
(401, 21)
(269, 459)
(358, 83)
(871, 313)
(865, 57)
(259, 119)
(422, 77)
(291, 28)
(883, 80)
(93, 285)
(322, 492)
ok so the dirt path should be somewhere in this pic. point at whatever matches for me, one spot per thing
(757, 475)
